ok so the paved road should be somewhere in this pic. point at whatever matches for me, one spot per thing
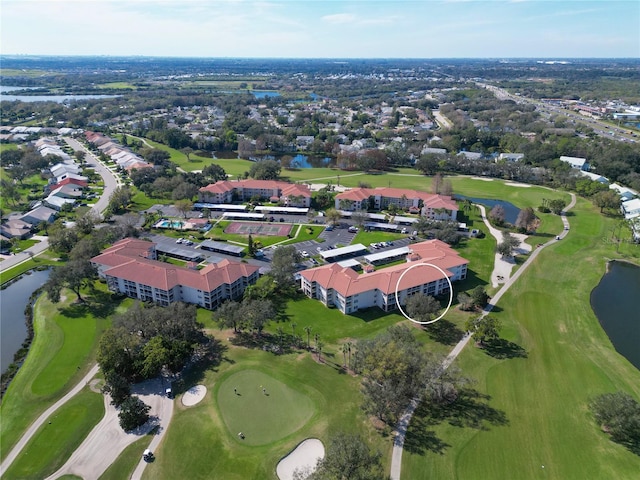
(398, 442)
(111, 182)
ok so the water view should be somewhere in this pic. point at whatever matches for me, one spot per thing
(510, 210)
(13, 300)
(615, 303)
(5, 95)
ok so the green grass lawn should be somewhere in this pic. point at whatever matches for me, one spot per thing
(128, 460)
(58, 438)
(367, 238)
(535, 408)
(263, 418)
(62, 351)
(199, 445)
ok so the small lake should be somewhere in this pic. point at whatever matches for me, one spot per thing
(13, 300)
(5, 95)
(615, 303)
(510, 210)
(298, 161)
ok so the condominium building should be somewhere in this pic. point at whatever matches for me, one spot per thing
(130, 267)
(436, 207)
(225, 191)
(350, 291)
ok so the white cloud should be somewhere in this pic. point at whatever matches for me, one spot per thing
(338, 18)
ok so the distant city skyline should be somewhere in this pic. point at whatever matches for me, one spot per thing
(323, 28)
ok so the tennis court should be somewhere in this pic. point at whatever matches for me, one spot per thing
(245, 228)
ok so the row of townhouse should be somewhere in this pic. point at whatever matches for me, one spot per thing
(436, 207)
(124, 158)
(66, 183)
(225, 191)
(130, 267)
(349, 291)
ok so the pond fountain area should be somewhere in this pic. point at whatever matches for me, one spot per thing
(615, 303)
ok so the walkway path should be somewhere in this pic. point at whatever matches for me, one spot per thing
(107, 440)
(403, 424)
(42, 418)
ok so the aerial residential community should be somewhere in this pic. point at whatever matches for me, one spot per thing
(261, 264)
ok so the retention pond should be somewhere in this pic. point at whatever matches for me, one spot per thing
(615, 303)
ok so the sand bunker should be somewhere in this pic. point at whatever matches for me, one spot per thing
(194, 395)
(523, 185)
(303, 458)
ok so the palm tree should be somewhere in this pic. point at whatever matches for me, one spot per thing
(345, 349)
(319, 346)
(308, 330)
(348, 344)
(316, 337)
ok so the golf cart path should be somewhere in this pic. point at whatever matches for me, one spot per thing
(107, 440)
(15, 451)
(405, 419)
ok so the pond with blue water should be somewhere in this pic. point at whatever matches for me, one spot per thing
(615, 303)
(510, 210)
(13, 301)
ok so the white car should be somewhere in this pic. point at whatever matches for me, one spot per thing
(304, 254)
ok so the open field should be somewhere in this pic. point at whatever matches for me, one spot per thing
(531, 408)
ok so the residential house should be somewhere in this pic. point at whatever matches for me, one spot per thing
(576, 162)
(510, 157)
(38, 215)
(15, 228)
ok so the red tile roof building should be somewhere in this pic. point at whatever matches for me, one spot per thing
(130, 267)
(350, 291)
(225, 191)
(437, 207)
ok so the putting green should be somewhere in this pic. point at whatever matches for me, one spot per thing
(263, 418)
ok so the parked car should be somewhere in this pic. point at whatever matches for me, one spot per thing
(404, 230)
(180, 240)
(329, 228)
(314, 261)
(304, 254)
(353, 229)
(282, 219)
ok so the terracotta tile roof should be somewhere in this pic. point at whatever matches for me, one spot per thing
(359, 194)
(224, 186)
(347, 282)
(126, 260)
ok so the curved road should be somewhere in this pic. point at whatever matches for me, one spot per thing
(403, 424)
(111, 182)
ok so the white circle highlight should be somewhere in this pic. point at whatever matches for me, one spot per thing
(420, 264)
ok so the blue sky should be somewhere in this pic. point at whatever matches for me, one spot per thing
(322, 28)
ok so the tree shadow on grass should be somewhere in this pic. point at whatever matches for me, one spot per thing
(469, 410)
(268, 342)
(501, 348)
(444, 331)
(98, 304)
(208, 357)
